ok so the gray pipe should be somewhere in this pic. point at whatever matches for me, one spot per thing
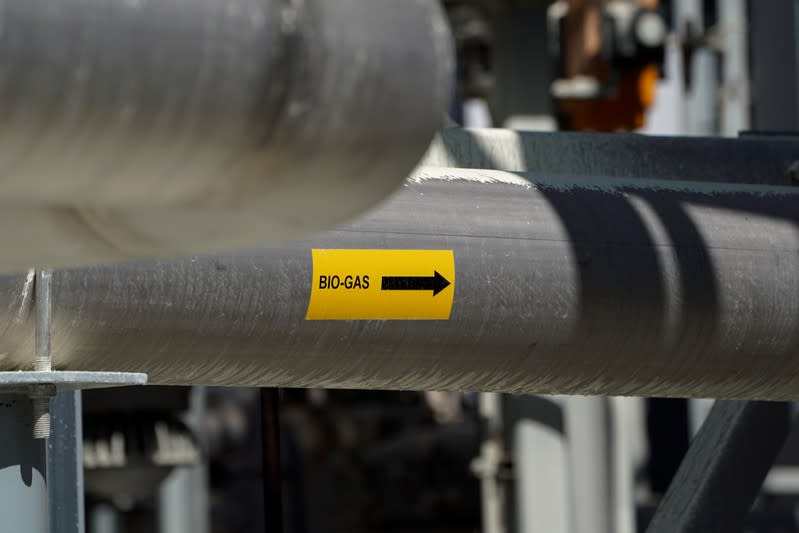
(561, 285)
(139, 128)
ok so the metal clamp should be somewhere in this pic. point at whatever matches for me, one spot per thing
(43, 382)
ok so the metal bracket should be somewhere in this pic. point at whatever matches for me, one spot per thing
(27, 382)
(45, 491)
(43, 382)
(724, 468)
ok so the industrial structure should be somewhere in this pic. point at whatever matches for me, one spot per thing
(204, 197)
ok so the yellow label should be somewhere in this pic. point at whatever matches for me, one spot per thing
(381, 285)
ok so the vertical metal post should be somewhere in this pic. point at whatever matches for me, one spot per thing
(521, 64)
(588, 427)
(627, 443)
(504, 469)
(541, 464)
(566, 474)
(65, 464)
(698, 409)
(272, 472)
(735, 102)
(700, 100)
(773, 28)
(105, 518)
(183, 500)
(23, 475)
(492, 492)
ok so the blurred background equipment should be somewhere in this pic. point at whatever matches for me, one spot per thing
(605, 280)
(608, 57)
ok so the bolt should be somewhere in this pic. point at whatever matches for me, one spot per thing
(40, 394)
(41, 418)
(40, 402)
(44, 312)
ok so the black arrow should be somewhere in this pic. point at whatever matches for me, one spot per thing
(435, 283)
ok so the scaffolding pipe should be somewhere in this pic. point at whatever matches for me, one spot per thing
(140, 128)
(609, 286)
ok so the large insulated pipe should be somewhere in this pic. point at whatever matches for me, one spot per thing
(556, 285)
(134, 128)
